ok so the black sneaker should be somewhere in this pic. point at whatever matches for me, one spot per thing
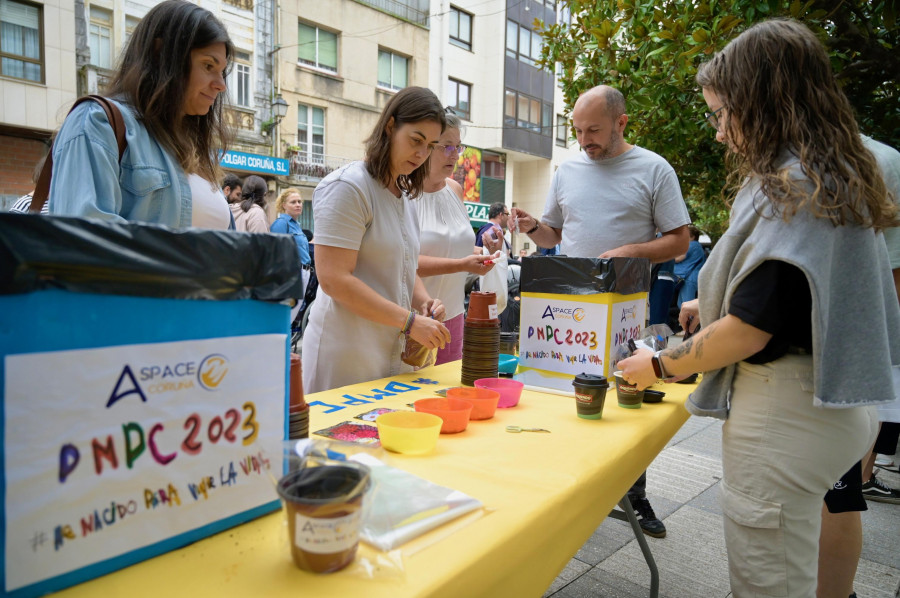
(647, 518)
(878, 491)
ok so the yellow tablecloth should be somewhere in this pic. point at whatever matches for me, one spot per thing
(544, 495)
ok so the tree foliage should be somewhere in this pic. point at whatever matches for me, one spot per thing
(650, 50)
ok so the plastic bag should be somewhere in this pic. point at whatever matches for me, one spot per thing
(495, 280)
(405, 506)
(417, 355)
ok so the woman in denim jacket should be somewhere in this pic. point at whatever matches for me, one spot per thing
(167, 87)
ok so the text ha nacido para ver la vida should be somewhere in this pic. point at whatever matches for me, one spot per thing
(139, 442)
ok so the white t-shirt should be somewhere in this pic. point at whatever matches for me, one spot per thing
(604, 204)
(445, 231)
(209, 208)
(354, 211)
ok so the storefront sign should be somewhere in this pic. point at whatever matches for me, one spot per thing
(478, 212)
(255, 163)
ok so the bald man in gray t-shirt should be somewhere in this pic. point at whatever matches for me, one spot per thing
(610, 202)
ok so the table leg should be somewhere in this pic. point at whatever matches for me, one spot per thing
(628, 516)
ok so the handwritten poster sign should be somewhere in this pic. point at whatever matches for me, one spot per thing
(563, 336)
(112, 451)
(571, 334)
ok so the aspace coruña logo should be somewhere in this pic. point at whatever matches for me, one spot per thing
(563, 313)
(157, 379)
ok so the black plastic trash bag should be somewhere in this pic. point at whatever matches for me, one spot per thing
(94, 256)
(585, 276)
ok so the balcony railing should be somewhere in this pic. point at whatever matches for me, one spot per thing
(400, 8)
(245, 4)
(312, 166)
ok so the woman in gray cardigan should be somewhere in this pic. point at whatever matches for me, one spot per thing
(801, 326)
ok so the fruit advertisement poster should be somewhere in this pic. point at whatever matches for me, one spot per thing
(468, 174)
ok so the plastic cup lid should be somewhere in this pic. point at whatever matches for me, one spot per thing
(585, 379)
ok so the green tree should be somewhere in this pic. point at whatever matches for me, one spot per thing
(650, 51)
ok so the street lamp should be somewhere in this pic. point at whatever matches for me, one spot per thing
(279, 110)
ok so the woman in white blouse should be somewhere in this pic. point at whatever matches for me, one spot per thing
(447, 241)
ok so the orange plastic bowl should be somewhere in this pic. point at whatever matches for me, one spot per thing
(484, 400)
(454, 412)
(510, 390)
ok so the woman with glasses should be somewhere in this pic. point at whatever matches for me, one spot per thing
(801, 326)
(447, 241)
(367, 247)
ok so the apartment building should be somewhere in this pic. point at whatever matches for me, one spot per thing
(338, 63)
(54, 51)
(37, 82)
(483, 64)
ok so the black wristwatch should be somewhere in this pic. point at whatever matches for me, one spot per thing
(658, 367)
(537, 225)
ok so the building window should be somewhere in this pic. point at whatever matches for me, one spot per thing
(509, 111)
(20, 41)
(562, 131)
(393, 70)
(522, 43)
(240, 80)
(525, 112)
(460, 28)
(317, 47)
(311, 133)
(458, 94)
(100, 38)
(130, 24)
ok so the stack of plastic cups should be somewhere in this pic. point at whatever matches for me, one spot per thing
(298, 426)
(481, 339)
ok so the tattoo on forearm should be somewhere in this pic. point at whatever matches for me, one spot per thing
(681, 350)
(684, 349)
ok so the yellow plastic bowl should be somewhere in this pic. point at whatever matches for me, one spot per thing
(409, 432)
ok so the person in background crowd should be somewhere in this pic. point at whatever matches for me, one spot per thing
(446, 238)
(289, 206)
(496, 227)
(841, 539)
(23, 204)
(168, 87)
(613, 182)
(367, 248)
(231, 188)
(250, 213)
(687, 267)
(797, 406)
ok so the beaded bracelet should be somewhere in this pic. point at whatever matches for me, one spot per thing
(409, 323)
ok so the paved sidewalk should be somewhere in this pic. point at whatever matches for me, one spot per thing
(682, 484)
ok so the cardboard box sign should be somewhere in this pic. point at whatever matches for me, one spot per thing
(134, 425)
(575, 312)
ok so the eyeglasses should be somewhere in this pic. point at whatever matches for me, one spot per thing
(449, 150)
(713, 117)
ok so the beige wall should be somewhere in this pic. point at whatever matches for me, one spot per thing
(351, 97)
(44, 105)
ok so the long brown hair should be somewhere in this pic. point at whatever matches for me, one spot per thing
(780, 94)
(410, 105)
(153, 74)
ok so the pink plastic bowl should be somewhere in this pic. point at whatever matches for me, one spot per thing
(510, 390)
(484, 400)
(454, 412)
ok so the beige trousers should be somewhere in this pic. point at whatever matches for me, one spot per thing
(780, 455)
